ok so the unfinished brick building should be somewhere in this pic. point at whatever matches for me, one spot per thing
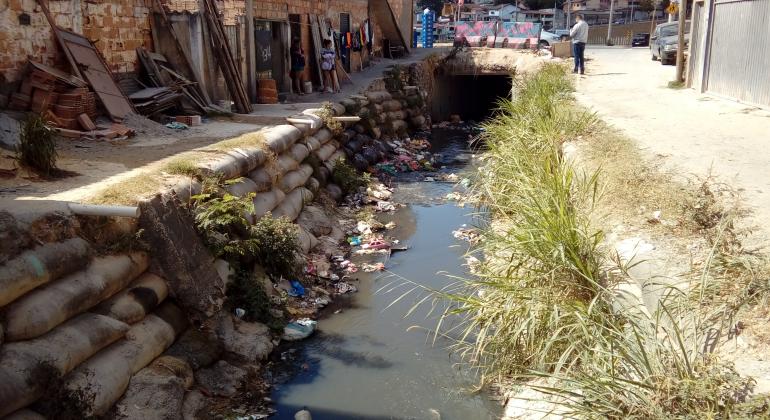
(118, 27)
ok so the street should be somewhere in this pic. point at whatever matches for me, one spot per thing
(692, 133)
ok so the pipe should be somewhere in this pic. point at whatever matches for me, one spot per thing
(104, 210)
(347, 119)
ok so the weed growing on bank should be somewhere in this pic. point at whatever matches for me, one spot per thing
(37, 146)
(544, 308)
(348, 178)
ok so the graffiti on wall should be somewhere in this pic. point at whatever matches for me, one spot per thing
(498, 34)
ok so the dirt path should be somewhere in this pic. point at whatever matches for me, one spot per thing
(692, 133)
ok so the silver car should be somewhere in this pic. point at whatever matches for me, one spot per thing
(665, 41)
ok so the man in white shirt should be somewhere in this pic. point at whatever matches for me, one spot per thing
(579, 35)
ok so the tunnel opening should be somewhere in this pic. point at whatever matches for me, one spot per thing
(472, 97)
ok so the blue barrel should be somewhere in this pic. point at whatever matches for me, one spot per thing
(427, 29)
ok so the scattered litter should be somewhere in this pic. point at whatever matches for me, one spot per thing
(454, 196)
(177, 125)
(384, 206)
(655, 219)
(239, 313)
(370, 268)
(322, 301)
(398, 249)
(390, 225)
(376, 244)
(344, 287)
(296, 289)
(472, 263)
(467, 234)
(465, 182)
(354, 240)
(364, 228)
(379, 192)
(253, 417)
(429, 179)
(299, 329)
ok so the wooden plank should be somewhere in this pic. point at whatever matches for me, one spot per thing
(44, 7)
(96, 73)
(316, 38)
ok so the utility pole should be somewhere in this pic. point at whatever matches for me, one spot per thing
(609, 26)
(680, 47)
(569, 14)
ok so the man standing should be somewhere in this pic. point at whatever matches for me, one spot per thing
(579, 35)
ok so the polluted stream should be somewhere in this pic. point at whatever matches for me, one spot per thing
(364, 361)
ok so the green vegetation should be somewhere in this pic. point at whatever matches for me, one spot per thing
(222, 219)
(545, 308)
(37, 147)
(326, 114)
(348, 178)
(246, 292)
(182, 166)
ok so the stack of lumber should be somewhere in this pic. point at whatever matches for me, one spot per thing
(225, 58)
(150, 101)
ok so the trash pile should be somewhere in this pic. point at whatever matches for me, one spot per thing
(411, 155)
(470, 235)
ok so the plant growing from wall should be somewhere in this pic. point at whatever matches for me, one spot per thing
(326, 113)
(247, 292)
(277, 245)
(37, 147)
(348, 178)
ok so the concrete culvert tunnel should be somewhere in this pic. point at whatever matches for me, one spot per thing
(473, 97)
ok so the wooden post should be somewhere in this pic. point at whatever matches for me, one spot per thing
(251, 54)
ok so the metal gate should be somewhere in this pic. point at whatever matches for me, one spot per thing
(739, 53)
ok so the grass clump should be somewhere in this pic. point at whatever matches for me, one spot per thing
(182, 166)
(326, 114)
(348, 178)
(278, 245)
(37, 146)
(544, 308)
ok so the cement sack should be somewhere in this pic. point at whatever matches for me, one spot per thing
(338, 109)
(236, 162)
(106, 375)
(306, 240)
(291, 205)
(347, 135)
(41, 265)
(137, 300)
(360, 162)
(265, 177)
(418, 121)
(249, 342)
(157, 391)
(378, 97)
(359, 128)
(308, 124)
(377, 108)
(299, 152)
(323, 135)
(376, 132)
(391, 105)
(399, 126)
(350, 106)
(355, 145)
(280, 137)
(364, 113)
(379, 119)
(296, 178)
(184, 189)
(312, 143)
(312, 184)
(307, 196)
(371, 154)
(337, 156)
(25, 414)
(43, 309)
(242, 187)
(286, 163)
(334, 191)
(267, 201)
(397, 115)
(322, 174)
(326, 151)
(24, 366)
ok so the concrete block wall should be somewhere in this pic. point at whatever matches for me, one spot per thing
(116, 27)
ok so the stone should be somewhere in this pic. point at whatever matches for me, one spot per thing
(248, 341)
(335, 192)
(10, 130)
(199, 348)
(155, 392)
(193, 404)
(315, 220)
(222, 379)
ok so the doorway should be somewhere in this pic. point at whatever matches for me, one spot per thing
(344, 30)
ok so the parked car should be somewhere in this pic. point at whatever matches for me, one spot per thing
(548, 38)
(562, 33)
(640, 40)
(665, 41)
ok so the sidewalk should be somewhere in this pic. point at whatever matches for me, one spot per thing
(691, 133)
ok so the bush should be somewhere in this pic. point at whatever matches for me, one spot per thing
(220, 218)
(37, 147)
(247, 293)
(277, 245)
(348, 178)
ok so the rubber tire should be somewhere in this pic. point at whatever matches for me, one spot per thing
(543, 44)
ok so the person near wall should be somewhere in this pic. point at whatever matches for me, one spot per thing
(297, 66)
(328, 56)
(579, 35)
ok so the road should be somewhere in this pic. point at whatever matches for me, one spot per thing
(693, 133)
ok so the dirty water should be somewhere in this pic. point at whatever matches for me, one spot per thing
(365, 362)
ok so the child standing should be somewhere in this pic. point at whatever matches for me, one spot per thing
(328, 57)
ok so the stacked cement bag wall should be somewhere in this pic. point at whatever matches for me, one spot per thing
(114, 331)
(388, 110)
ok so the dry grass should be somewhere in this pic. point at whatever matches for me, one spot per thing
(134, 189)
(129, 191)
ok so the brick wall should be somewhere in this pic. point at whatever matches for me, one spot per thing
(116, 27)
